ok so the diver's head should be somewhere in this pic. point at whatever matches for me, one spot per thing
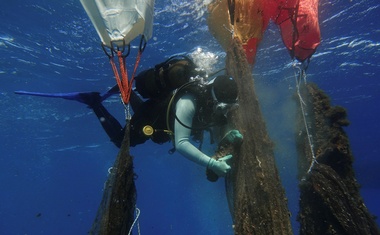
(224, 89)
(224, 94)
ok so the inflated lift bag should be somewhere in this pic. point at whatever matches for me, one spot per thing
(118, 20)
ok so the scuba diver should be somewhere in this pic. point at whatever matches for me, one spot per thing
(171, 96)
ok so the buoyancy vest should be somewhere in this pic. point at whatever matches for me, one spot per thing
(162, 86)
(157, 116)
(204, 117)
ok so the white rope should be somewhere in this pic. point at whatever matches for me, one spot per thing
(299, 77)
(134, 222)
(229, 30)
(127, 111)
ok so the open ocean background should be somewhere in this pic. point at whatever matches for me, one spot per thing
(54, 155)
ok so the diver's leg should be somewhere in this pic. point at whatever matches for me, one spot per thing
(135, 101)
(113, 128)
(109, 123)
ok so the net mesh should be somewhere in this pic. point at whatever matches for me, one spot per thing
(330, 200)
(116, 211)
(254, 190)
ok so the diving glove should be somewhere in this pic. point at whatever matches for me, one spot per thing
(230, 143)
(220, 166)
(232, 137)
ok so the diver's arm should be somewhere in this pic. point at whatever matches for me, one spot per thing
(185, 111)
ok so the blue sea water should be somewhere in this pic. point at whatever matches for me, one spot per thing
(55, 157)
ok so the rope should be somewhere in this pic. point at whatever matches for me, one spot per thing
(134, 222)
(300, 74)
(127, 110)
(124, 84)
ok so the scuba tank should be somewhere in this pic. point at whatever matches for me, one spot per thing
(164, 78)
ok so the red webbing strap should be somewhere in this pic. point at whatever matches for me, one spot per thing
(124, 84)
(134, 71)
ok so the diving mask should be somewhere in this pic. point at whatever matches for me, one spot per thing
(222, 108)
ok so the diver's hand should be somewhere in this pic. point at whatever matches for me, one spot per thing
(233, 137)
(220, 166)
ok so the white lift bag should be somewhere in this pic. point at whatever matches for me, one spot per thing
(120, 20)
